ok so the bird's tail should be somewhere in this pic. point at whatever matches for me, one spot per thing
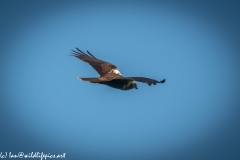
(93, 80)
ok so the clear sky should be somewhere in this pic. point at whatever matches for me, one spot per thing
(192, 115)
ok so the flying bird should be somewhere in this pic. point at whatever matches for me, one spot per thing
(109, 73)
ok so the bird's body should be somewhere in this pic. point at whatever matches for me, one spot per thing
(121, 83)
(109, 73)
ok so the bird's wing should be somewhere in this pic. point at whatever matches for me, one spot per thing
(100, 66)
(147, 80)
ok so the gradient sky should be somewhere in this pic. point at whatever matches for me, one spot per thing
(195, 46)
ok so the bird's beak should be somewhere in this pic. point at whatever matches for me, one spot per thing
(136, 87)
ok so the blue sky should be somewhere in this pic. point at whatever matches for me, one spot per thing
(45, 108)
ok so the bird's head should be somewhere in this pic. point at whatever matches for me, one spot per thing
(134, 85)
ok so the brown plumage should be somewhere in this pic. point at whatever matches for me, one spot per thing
(109, 73)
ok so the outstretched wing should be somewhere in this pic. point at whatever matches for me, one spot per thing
(100, 66)
(147, 80)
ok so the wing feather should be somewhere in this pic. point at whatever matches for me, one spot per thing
(147, 80)
(100, 66)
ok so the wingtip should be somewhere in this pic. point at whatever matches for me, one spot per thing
(162, 81)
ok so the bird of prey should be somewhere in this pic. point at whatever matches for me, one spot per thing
(109, 73)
